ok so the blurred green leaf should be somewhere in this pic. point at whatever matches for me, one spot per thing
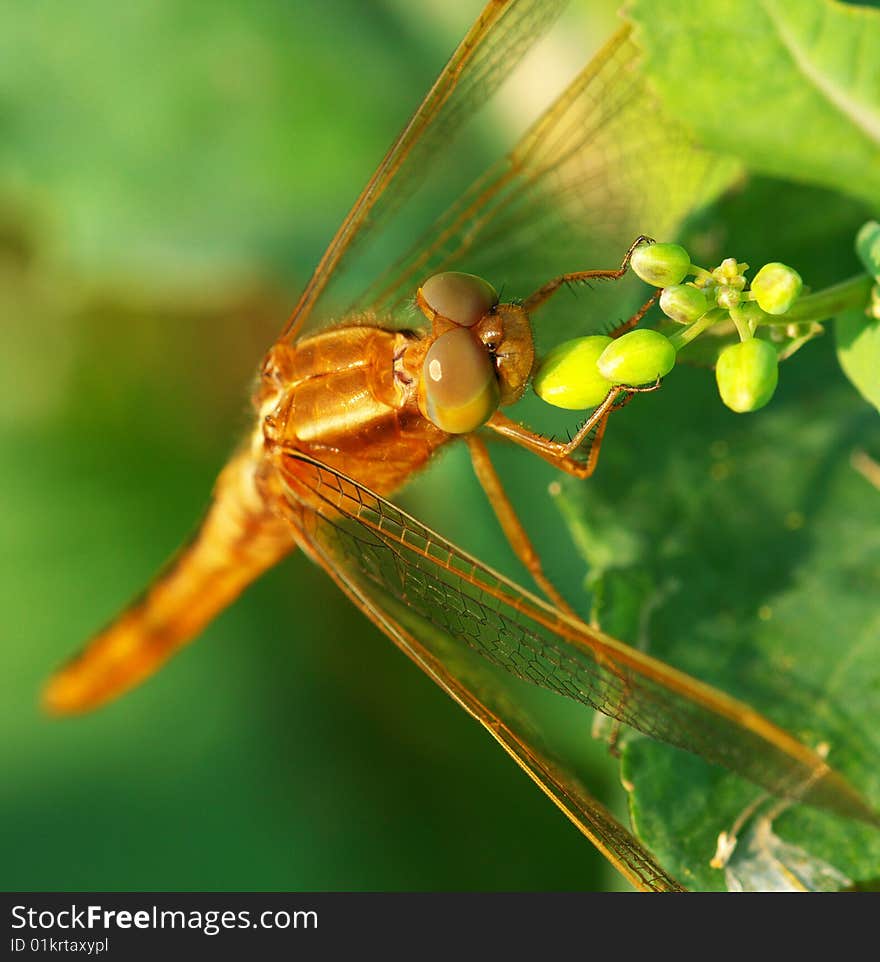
(858, 350)
(173, 140)
(868, 247)
(791, 87)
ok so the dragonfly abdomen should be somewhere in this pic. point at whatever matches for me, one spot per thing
(238, 539)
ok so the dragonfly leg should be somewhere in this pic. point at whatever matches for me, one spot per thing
(582, 469)
(554, 452)
(631, 322)
(558, 453)
(544, 293)
(616, 724)
(525, 551)
(510, 524)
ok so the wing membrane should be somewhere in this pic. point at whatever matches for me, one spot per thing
(604, 164)
(440, 592)
(468, 688)
(492, 48)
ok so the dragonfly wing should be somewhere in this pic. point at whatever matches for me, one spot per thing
(471, 687)
(490, 51)
(604, 164)
(454, 604)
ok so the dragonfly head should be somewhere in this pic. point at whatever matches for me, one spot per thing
(480, 356)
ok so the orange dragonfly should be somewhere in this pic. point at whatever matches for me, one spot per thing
(352, 400)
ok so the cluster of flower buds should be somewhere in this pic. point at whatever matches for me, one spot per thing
(579, 373)
(774, 288)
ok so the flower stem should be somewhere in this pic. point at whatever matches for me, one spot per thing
(701, 275)
(701, 324)
(825, 304)
(742, 327)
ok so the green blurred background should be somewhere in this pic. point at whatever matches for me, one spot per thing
(169, 174)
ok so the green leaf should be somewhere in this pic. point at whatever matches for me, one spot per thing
(791, 87)
(858, 350)
(746, 551)
(868, 247)
(760, 558)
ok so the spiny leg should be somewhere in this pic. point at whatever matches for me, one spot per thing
(555, 452)
(616, 724)
(517, 536)
(560, 454)
(580, 469)
(544, 293)
(510, 524)
(631, 322)
(523, 548)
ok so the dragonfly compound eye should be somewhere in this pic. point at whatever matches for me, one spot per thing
(460, 387)
(460, 298)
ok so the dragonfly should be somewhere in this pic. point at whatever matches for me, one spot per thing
(362, 389)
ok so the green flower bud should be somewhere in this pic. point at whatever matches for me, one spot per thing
(730, 273)
(746, 374)
(727, 297)
(776, 287)
(868, 247)
(683, 303)
(639, 357)
(568, 377)
(661, 265)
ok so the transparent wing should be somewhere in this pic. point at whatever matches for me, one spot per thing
(458, 608)
(469, 687)
(492, 48)
(601, 166)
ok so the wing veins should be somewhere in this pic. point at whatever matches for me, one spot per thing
(594, 669)
(618, 845)
(489, 52)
